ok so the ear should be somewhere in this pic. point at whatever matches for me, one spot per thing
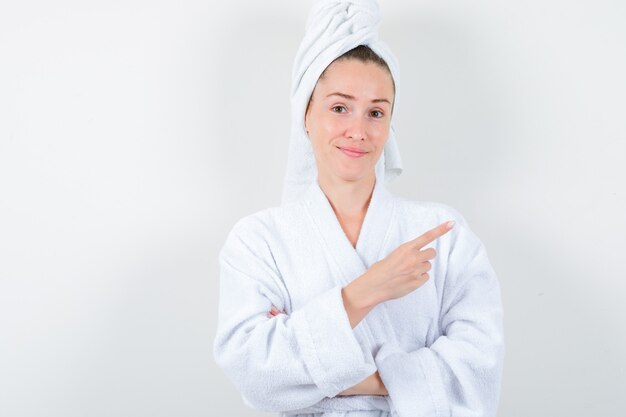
(306, 112)
(306, 118)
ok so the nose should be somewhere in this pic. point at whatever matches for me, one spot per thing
(355, 129)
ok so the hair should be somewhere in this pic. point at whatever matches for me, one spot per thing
(364, 54)
(361, 53)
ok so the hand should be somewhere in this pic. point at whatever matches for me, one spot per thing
(274, 312)
(372, 385)
(404, 270)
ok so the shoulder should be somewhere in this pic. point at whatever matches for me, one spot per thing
(266, 221)
(252, 225)
(258, 231)
(428, 210)
(248, 254)
(421, 216)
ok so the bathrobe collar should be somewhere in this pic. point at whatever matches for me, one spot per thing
(373, 236)
(352, 262)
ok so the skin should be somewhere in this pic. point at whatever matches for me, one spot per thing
(360, 117)
(362, 122)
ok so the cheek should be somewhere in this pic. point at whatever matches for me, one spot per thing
(379, 132)
(331, 125)
(325, 127)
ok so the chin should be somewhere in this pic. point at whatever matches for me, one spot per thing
(352, 175)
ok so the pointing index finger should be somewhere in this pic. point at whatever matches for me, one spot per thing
(433, 234)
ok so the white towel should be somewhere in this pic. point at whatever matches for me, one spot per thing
(333, 28)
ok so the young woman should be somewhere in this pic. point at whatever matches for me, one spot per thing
(347, 299)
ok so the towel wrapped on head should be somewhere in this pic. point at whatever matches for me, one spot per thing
(333, 28)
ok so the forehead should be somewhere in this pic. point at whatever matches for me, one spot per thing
(357, 78)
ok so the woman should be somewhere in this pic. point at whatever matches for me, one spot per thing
(347, 299)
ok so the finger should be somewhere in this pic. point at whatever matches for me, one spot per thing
(274, 311)
(426, 254)
(432, 234)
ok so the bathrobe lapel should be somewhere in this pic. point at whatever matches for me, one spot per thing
(353, 262)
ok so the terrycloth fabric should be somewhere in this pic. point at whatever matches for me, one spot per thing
(439, 349)
(334, 27)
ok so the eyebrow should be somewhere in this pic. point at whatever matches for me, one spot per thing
(349, 97)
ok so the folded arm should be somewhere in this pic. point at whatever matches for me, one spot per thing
(460, 373)
(289, 361)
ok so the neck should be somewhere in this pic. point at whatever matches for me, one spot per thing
(349, 199)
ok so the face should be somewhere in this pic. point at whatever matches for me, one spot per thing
(348, 119)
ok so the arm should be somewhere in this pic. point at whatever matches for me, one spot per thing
(358, 304)
(372, 385)
(460, 373)
(286, 362)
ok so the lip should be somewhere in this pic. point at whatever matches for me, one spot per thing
(352, 152)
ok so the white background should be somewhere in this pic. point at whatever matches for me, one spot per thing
(133, 134)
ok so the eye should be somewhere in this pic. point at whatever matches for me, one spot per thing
(377, 114)
(338, 107)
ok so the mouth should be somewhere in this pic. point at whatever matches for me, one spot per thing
(351, 152)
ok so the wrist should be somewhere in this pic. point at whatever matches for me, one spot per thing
(373, 385)
(381, 389)
(365, 297)
(357, 297)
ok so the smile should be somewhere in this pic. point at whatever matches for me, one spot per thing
(352, 153)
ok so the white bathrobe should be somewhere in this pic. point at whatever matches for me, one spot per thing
(439, 350)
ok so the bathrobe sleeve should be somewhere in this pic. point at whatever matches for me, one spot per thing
(289, 361)
(459, 374)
